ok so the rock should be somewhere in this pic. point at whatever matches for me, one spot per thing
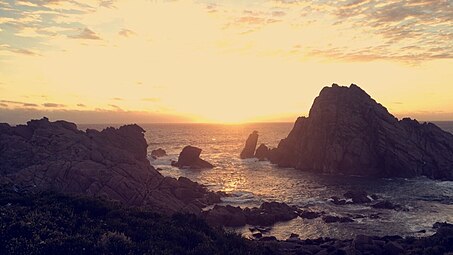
(158, 153)
(262, 152)
(393, 248)
(294, 235)
(332, 219)
(257, 235)
(309, 214)
(386, 205)
(266, 215)
(349, 133)
(358, 197)
(268, 238)
(190, 158)
(111, 163)
(250, 146)
(227, 216)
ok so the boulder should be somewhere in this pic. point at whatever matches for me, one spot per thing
(349, 133)
(262, 152)
(265, 215)
(309, 214)
(158, 153)
(250, 146)
(111, 163)
(190, 158)
(387, 205)
(358, 197)
(332, 219)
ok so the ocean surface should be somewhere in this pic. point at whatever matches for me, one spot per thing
(251, 182)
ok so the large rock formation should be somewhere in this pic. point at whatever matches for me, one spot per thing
(190, 158)
(111, 163)
(250, 146)
(347, 132)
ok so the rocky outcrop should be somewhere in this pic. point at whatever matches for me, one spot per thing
(265, 215)
(439, 243)
(111, 163)
(157, 153)
(250, 146)
(190, 158)
(262, 153)
(347, 132)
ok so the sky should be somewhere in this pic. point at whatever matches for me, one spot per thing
(143, 61)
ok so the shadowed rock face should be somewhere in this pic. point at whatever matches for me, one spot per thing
(250, 146)
(111, 163)
(190, 158)
(347, 132)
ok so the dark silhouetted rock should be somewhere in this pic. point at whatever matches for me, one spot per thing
(111, 163)
(250, 146)
(347, 132)
(266, 215)
(158, 153)
(309, 215)
(332, 219)
(268, 238)
(262, 152)
(358, 197)
(190, 158)
(387, 205)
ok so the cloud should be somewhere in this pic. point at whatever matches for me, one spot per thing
(17, 103)
(21, 51)
(101, 116)
(30, 105)
(87, 34)
(126, 32)
(81, 105)
(116, 107)
(53, 105)
(107, 3)
(117, 99)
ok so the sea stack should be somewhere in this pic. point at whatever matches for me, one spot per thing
(262, 152)
(250, 146)
(190, 158)
(348, 132)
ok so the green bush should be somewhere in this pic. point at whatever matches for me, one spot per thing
(49, 223)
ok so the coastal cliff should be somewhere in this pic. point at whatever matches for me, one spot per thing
(347, 132)
(111, 163)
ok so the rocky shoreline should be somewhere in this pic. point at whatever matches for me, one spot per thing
(439, 243)
(113, 164)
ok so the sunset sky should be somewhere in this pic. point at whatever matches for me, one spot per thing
(222, 61)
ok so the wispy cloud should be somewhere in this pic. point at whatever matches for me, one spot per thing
(53, 105)
(126, 32)
(87, 34)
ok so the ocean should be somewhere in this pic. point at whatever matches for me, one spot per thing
(251, 182)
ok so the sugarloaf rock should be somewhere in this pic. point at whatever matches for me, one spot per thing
(111, 163)
(347, 132)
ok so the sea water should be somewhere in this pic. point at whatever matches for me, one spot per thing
(251, 182)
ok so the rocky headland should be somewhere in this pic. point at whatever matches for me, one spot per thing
(111, 163)
(349, 133)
